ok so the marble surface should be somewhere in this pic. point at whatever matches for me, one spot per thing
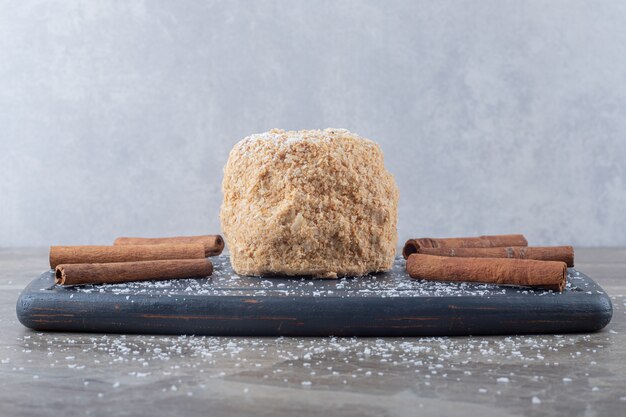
(495, 116)
(52, 374)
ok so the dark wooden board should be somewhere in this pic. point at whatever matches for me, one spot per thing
(387, 304)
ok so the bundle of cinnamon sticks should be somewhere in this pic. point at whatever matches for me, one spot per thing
(135, 259)
(502, 259)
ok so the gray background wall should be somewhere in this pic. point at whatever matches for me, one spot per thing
(116, 117)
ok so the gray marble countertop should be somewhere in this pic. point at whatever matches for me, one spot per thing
(64, 374)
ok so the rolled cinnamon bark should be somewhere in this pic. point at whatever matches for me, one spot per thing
(213, 244)
(538, 253)
(130, 253)
(111, 273)
(412, 245)
(550, 275)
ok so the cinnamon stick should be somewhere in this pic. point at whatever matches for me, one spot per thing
(111, 273)
(130, 253)
(550, 275)
(412, 245)
(213, 244)
(539, 253)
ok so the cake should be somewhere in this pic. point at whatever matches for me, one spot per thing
(315, 203)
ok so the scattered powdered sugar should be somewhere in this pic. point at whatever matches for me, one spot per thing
(572, 365)
(394, 283)
(310, 362)
(491, 366)
(283, 139)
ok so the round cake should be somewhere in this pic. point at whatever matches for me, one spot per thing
(310, 202)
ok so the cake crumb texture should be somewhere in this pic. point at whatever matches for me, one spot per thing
(309, 202)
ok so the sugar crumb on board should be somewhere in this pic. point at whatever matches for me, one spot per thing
(395, 283)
